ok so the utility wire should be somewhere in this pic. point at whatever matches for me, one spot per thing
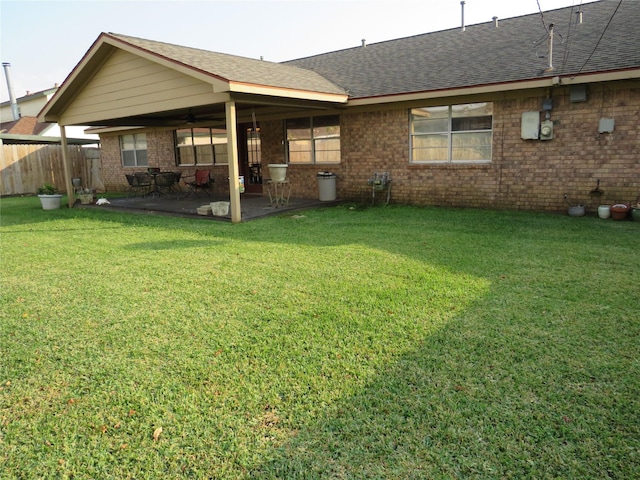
(601, 36)
(542, 16)
(566, 48)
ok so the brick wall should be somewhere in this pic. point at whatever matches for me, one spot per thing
(523, 174)
(160, 153)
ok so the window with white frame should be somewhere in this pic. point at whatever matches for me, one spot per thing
(134, 150)
(313, 140)
(201, 146)
(452, 133)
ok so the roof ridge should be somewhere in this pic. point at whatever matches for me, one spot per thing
(435, 32)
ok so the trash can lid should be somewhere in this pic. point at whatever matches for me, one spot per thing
(326, 174)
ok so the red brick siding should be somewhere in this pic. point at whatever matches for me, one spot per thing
(160, 153)
(523, 174)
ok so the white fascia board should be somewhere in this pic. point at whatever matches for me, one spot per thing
(271, 91)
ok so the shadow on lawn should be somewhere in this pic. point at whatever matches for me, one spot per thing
(479, 398)
(423, 417)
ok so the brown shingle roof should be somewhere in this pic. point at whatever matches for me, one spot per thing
(483, 54)
(24, 126)
(237, 69)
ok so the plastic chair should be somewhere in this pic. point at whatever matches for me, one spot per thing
(202, 182)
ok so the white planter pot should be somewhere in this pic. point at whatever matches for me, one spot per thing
(50, 202)
(278, 171)
(604, 211)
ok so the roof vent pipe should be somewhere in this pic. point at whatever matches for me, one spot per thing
(495, 22)
(579, 14)
(550, 44)
(462, 7)
(364, 42)
(12, 97)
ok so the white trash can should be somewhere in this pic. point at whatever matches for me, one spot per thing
(326, 186)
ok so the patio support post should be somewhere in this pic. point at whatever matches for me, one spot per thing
(232, 142)
(65, 163)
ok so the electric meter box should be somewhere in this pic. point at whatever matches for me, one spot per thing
(530, 125)
(546, 130)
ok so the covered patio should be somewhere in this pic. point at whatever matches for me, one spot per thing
(127, 84)
(253, 207)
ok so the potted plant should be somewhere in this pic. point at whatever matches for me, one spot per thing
(49, 199)
(86, 196)
(619, 211)
(635, 212)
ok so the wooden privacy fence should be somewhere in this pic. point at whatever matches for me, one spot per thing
(25, 168)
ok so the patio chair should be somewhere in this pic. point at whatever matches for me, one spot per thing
(200, 182)
(166, 183)
(134, 186)
(145, 182)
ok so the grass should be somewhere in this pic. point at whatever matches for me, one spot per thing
(393, 342)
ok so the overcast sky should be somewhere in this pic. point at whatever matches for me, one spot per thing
(44, 40)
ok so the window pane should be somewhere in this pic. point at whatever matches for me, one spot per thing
(298, 128)
(183, 137)
(204, 154)
(201, 136)
(300, 151)
(328, 156)
(254, 147)
(141, 158)
(186, 156)
(471, 146)
(300, 146)
(221, 154)
(140, 140)
(127, 142)
(328, 144)
(431, 155)
(128, 158)
(431, 119)
(472, 123)
(473, 116)
(431, 148)
(328, 150)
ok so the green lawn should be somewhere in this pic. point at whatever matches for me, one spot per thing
(393, 342)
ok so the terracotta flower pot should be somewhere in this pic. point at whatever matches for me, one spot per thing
(619, 211)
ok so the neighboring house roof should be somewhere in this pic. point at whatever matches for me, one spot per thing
(24, 126)
(32, 96)
(516, 50)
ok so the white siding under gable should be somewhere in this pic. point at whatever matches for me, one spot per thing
(127, 84)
